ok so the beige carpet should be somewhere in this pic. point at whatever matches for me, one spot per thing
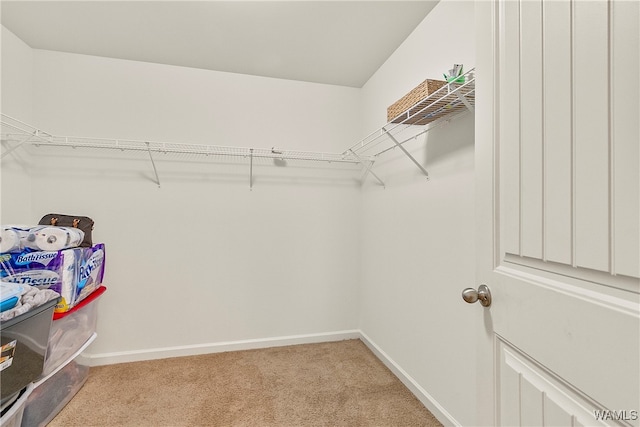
(328, 384)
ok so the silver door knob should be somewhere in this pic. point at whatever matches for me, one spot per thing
(483, 294)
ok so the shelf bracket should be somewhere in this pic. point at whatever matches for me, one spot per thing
(155, 171)
(10, 150)
(251, 169)
(465, 101)
(368, 166)
(404, 150)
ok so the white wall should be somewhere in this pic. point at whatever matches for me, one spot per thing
(418, 235)
(17, 77)
(202, 260)
(16, 101)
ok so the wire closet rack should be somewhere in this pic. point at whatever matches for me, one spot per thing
(439, 107)
(17, 133)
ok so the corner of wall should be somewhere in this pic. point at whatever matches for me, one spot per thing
(415, 233)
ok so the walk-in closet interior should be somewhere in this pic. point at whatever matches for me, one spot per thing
(246, 210)
(243, 211)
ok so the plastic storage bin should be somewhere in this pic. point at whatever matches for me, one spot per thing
(12, 415)
(71, 330)
(23, 342)
(53, 392)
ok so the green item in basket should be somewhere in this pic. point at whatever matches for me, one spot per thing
(460, 79)
(455, 74)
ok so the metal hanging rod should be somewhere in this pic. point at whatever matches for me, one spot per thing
(20, 131)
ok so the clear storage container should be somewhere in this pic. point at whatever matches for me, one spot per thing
(71, 330)
(53, 392)
(13, 415)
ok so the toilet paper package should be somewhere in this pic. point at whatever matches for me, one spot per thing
(73, 273)
(15, 239)
(56, 238)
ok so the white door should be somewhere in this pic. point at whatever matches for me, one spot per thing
(557, 138)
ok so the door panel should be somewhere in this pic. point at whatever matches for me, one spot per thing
(625, 127)
(590, 340)
(531, 165)
(558, 193)
(590, 86)
(509, 73)
(569, 187)
(536, 396)
(557, 133)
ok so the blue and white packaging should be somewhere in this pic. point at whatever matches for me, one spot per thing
(73, 273)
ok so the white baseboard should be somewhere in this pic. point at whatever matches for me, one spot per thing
(98, 359)
(427, 400)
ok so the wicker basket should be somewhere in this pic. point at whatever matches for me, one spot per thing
(416, 95)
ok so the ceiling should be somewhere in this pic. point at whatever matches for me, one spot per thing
(333, 42)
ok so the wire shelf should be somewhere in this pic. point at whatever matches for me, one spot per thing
(14, 131)
(448, 102)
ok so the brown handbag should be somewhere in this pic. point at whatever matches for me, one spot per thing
(84, 223)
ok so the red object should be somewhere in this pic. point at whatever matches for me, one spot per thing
(88, 300)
